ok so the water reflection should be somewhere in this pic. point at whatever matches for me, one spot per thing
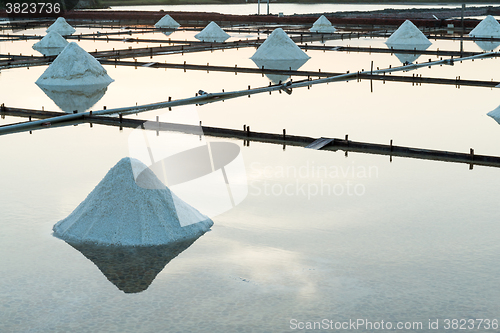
(487, 46)
(408, 58)
(78, 98)
(495, 114)
(131, 269)
(289, 64)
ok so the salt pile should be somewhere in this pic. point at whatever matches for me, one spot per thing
(408, 33)
(212, 33)
(495, 114)
(62, 27)
(278, 46)
(51, 40)
(487, 28)
(322, 25)
(119, 212)
(167, 22)
(74, 66)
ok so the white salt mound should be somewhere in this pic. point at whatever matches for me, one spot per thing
(74, 66)
(62, 27)
(212, 33)
(167, 22)
(495, 114)
(487, 28)
(322, 25)
(408, 33)
(51, 40)
(278, 46)
(119, 212)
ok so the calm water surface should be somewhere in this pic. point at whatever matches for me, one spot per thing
(319, 235)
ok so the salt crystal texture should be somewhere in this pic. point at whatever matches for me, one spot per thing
(62, 27)
(74, 66)
(212, 33)
(167, 22)
(51, 40)
(495, 114)
(120, 212)
(487, 28)
(278, 46)
(323, 25)
(408, 33)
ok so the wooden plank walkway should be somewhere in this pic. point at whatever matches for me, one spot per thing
(334, 144)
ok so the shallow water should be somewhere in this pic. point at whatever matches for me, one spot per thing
(319, 235)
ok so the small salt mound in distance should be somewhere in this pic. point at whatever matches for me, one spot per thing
(408, 33)
(323, 25)
(51, 40)
(495, 114)
(487, 28)
(62, 27)
(212, 33)
(119, 212)
(74, 66)
(278, 46)
(167, 22)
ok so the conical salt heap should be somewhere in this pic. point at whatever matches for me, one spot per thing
(278, 46)
(212, 33)
(119, 212)
(74, 66)
(62, 27)
(487, 28)
(406, 34)
(51, 40)
(323, 25)
(495, 114)
(167, 22)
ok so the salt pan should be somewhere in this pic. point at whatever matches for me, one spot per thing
(167, 22)
(278, 46)
(62, 27)
(74, 66)
(212, 33)
(322, 25)
(487, 28)
(408, 33)
(120, 212)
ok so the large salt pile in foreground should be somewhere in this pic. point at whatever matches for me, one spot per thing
(408, 33)
(74, 66)
(167, 22)
(119, 212)
(487, 28)
(278, 46)
(62, 27)
(212, 33)
(322, 25)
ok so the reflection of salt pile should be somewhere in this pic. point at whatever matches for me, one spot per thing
(212, 33)
(322, 25)
(495, 114)
(132, 268)
(408, 37)
(62, 27)
(75, 98)
(279, 65)
(74, 66)
(167, 22)
(52, 44)
(278, 46)
(487, 28)
(121, 212)
(408, 34)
